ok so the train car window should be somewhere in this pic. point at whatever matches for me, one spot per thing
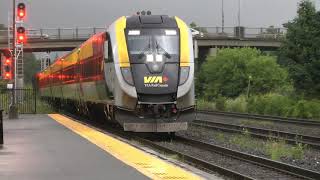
(110, 54)
(108, 50)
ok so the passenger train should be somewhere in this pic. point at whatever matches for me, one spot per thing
(139, 74)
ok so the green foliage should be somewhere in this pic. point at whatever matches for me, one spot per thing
(270, 104)
(194, 26)
(307, 109)
(280, 105)
(300, 50)
(228, 73)
(221, 103)
(237, 105)
(44, 108)
(297, 151)
(205, 105)
(277, 149)
(31, 67)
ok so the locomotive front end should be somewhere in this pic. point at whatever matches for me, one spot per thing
(161, 71)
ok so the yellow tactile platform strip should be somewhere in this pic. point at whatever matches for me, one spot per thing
(145, 163)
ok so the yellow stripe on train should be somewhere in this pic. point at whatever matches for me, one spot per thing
(121, 41)
(184, 43)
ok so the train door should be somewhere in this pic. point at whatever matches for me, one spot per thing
(78, 73)
(109, 71)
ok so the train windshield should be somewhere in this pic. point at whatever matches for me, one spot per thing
(144, 45)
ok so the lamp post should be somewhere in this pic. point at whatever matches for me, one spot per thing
(222, 14)
(248, 89)
(239, 13)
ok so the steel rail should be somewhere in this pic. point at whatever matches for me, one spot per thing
(291, 138)
(264, 117)
(276, 165)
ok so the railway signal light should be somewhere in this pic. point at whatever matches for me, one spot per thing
(7, 66)
(21, 10)
(21, 36)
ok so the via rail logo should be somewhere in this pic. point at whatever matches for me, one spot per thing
(155, 81)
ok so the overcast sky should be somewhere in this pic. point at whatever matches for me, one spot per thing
(100, 13)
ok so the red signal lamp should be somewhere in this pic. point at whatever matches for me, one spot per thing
(21, 10)
(8, 61)
(21, 36)
(8, 75)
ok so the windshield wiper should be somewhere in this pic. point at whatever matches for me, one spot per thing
(148, 47)
(165, 52)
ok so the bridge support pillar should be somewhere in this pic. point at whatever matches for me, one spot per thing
(196, 49)
(213, 51)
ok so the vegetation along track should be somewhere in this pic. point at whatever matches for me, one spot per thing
(278, 119)
(291, 138)
(230, 163)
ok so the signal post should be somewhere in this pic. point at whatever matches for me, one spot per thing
(18, 39)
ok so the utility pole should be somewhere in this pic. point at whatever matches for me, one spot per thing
(222, 11)
(239, 13)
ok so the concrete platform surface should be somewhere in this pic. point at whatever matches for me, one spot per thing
(38, 148)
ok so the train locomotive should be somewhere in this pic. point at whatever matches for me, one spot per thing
(139, 74)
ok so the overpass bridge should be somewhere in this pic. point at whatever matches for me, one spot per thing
(206, 40)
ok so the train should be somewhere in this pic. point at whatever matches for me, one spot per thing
(139, 73)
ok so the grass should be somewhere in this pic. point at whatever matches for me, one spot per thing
(245, 141)
(275, 149)
(44, 108)
(205, 105)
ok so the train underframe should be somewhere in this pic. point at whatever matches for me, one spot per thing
(145, 118)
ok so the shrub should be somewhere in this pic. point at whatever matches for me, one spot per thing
(221, 103)
(205, 105)
(228, 73)
(307, 109)
(270, 104)
(237, 105)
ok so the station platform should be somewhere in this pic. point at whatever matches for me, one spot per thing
(54, 147)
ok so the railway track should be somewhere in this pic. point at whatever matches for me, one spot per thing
(259, 162)
(291, 138)
(222, 158)
(306, 122)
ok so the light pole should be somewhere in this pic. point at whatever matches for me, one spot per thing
(239, 13)
(222, 11)
(248, 89)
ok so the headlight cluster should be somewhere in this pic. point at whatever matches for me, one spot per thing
(127, 75)
(184, 74)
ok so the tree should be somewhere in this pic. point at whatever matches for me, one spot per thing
(31, 67)
(228, 73)
(300, 51)
(193, 25)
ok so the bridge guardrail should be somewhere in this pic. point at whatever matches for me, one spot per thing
(241, 32)
(56, 33)
(205, 32)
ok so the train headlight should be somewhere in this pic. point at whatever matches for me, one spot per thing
(184, 74)
(127, 75)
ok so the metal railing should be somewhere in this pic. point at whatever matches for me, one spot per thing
(26, 100)
(204, 32)
(57, 33)
(242, 32)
